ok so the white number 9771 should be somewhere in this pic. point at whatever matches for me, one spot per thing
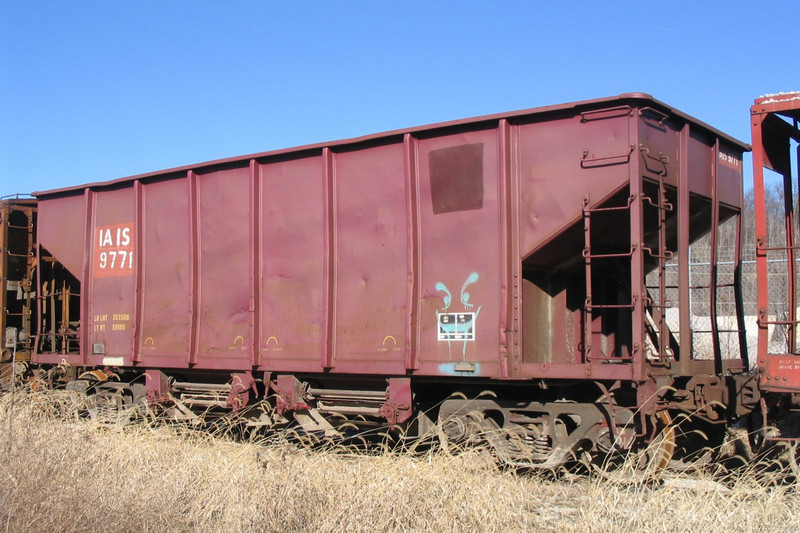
(118, 259)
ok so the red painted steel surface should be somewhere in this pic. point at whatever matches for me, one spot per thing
(429, 251)
(293, 266)
(111, 289)
(62, 224)
(459, 259)
(164, 320)
(224, 244)
(370, 247)
(774, 127)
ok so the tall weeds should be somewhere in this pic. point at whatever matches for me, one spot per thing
(61, 472)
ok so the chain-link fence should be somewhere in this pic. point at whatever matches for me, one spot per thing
(716, 287)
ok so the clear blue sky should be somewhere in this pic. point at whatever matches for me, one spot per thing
(93, 91)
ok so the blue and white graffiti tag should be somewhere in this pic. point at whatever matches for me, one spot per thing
(458, 326)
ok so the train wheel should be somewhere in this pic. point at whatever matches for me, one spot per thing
(646, 463)
(459, 431)
(104, 406)
(699, 444)
(452, 433)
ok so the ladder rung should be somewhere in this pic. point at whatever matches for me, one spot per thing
(775, 248)
(666, 206)
(667, 254)
(718, 285)
(613, 208)
(610, 358)
(590, 307)
(778, 322)
(588, 254)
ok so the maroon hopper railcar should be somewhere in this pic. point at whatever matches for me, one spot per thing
(542, 255)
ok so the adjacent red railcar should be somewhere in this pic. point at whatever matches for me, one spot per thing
(542, 255)
(776, 138)
(17, 267)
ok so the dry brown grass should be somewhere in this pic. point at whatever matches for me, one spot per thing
(59, 472)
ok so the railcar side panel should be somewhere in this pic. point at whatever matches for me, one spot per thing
(166, 279)
(371, 260)
(61, 226)
(657, 148)
(700, 156)
(729, 175)
(111, 266)
(460, 267)
(224, 243)
(63, 230)
(563, 161)
(292, 265)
